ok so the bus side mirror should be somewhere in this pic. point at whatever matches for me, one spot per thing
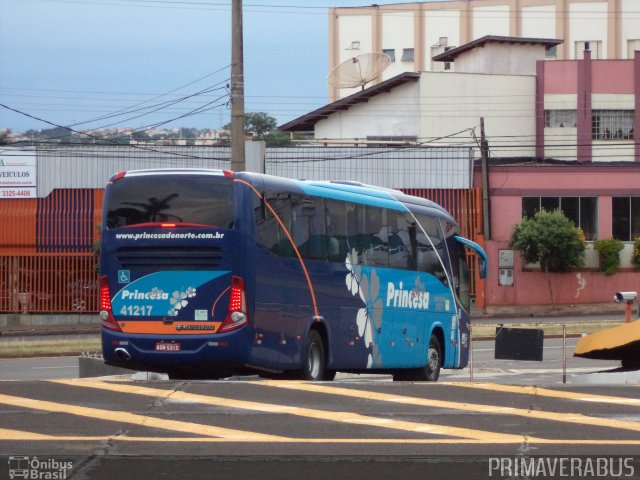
(482, 256)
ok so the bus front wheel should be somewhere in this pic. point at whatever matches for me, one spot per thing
(430, 372)
(313, 369)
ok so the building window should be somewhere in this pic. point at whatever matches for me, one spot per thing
(626, 218)
(355, 45)
(633, 46)
(437, 50)
(560, 118)
(612, 124)
(583, 211)
(407, 54)
(594, 46)
(551, 52)
(391, 53)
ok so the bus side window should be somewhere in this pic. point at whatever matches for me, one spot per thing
(460, 270)
(267, 227)
(375, 230)
(308, 227)
(428, 259)
(355, 220)
(401, 243)
(336, 230)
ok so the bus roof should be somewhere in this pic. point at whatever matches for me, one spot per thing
(353, 191)
(345, 190)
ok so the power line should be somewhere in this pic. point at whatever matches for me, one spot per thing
(84, 133)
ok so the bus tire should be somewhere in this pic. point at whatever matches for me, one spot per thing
(329, 375)
(431, 371)
(313, 367)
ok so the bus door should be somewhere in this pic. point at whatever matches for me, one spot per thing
(431, 259)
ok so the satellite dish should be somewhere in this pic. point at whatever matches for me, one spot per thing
(359, 70)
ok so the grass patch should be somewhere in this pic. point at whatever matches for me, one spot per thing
(573, 328)
(26, 347)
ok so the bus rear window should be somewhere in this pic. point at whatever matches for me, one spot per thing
(191, 199)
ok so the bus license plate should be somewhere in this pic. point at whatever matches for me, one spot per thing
(167, 347)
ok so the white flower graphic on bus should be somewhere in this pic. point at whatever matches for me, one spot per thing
(179, 300)
(369, 318)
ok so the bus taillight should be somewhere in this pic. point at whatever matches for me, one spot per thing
(106, 313)
(237, 314)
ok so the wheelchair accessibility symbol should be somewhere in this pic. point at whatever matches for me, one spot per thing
(124, 276)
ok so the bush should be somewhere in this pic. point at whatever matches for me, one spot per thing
(609, 251)
(636, 251)
(551, 239)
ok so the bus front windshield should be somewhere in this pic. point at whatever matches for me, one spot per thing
(203, 200)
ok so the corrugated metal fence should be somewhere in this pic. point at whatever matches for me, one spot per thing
(47, 263)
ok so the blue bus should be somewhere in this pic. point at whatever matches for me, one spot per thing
(210, 273)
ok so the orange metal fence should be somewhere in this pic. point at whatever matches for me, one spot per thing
(465, 205)
(48, 283)
(47, 263)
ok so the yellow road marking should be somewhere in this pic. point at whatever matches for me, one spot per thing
(340, 417)
(564, 417)
(7, 434)
(18, 436)
(545, 392)
(133, 418)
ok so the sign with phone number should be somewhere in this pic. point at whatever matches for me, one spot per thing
(18, 172)
(17, 193)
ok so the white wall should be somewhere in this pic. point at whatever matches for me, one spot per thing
(604, 101)
(561, 142)
(354, 28)
(501, 58)
(397, 33)
(630, 23)
(394, 113)
(454, 101)
(539, 22)
(587, 21)
(492, 20)
(442, 23)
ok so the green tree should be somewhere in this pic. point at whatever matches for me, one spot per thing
(278, 139)
(259, 124)
(552, 240)
(4, 136)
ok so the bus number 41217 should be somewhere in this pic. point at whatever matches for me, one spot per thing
(136, 310)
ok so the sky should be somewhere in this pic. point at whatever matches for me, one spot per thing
(90, 64)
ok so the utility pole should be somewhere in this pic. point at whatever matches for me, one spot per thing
(237, 89)
(484, 162)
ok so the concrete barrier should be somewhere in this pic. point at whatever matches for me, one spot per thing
(92, 365)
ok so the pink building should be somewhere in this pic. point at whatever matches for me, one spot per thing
(588, 165)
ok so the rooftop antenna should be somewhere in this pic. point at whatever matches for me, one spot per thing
(359, 70)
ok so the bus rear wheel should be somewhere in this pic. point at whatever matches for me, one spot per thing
(313, 369)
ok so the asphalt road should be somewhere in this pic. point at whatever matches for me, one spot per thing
(486, 368)
(172, 428)
(360, 426)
